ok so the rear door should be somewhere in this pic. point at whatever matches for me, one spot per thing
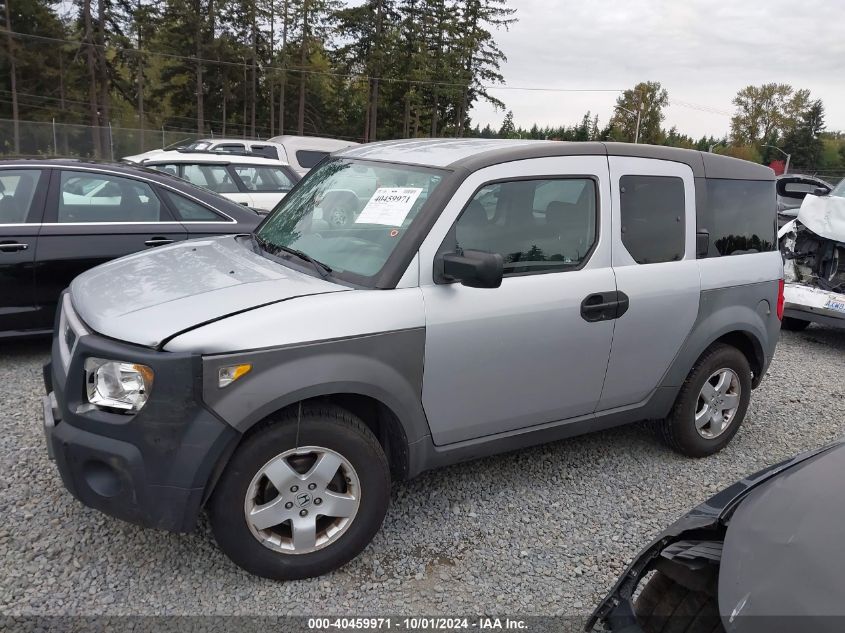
(91, 218)
(653, 250)
(22, 194)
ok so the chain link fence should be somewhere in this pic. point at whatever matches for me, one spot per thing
(85, 141)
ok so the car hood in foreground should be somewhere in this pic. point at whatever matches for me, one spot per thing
(149, 297)
(783, 553)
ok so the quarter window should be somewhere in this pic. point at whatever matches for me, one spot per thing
(652, 213)
(740, 216)
(17, 188)
(90, 197)
(535, 225)
(190, 211)
(259, 178)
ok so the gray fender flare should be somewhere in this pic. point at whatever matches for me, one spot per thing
(386, 367)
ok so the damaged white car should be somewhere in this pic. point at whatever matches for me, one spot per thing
(813, 248)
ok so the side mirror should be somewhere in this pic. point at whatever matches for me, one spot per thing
(821, 191)
(475, 269)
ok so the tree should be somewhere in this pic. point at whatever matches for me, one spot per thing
(479, 54)
(804, 141)
(648, 99)
(767, 110)
(508, 129)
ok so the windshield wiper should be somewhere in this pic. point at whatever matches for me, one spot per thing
(322, 269)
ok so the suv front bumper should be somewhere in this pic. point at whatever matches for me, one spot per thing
(153, 468)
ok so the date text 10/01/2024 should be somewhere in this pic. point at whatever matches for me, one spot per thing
(418, 624)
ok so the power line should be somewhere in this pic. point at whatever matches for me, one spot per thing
(360, 76)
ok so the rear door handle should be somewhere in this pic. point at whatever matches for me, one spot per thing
(604, 306)
(158, 241)
(11, 247)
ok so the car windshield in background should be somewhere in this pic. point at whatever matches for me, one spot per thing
(839, 190)
(350, 215)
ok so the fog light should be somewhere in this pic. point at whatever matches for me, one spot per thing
(227, 375)
(116, 384)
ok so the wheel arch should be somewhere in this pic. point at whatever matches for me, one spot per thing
(725, 316)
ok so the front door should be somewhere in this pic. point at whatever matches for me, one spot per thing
(93, 217)
(21, 208)
(526, 353)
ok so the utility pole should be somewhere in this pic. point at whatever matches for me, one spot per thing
(788, 157)
(14, 81)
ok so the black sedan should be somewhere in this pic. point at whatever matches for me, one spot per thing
(765, 555)
(59, 218)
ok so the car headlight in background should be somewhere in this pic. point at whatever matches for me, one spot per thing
(117, 384)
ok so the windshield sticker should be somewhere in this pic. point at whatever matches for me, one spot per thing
(389, 206)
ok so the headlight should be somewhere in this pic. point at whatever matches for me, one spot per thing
(117, 385)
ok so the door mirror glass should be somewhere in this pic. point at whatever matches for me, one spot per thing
(475, 269)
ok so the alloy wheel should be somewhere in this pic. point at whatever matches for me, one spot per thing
(302, 500)
(717, 403)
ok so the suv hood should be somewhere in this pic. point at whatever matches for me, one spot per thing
(148, 297)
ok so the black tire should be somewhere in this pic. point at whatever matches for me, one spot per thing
(678, 429)
(324, 426)
(664, 606)
(794, 325)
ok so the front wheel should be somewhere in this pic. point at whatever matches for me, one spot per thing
(301, 496)
(711, 403)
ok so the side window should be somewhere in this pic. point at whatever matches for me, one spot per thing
(189, 211)
(308, 158)
(173, 170)
(260, 178)
(653, 214)
(231, 148)
(535, 225)
(265, 150)
(17, 188)
(213, 177)
(92, 197)
(740, 216)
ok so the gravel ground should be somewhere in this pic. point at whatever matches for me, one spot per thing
(543, 531)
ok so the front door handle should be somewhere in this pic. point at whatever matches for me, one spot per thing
(158, 241)
(11, 247)
(604, 306)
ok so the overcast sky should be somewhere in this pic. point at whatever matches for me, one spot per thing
(702, 51)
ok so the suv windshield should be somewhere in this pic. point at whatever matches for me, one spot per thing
(349, 215)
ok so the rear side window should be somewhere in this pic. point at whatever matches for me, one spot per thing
(17, 188)
(260, 178)
(188, 210)
(309, 158)
(265, 150)
(652, 213)
(740, 216)
(213, 177)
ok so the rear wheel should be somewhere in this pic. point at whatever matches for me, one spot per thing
(664, 606)
(302, 495)
(711, 403)
(794, 325)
